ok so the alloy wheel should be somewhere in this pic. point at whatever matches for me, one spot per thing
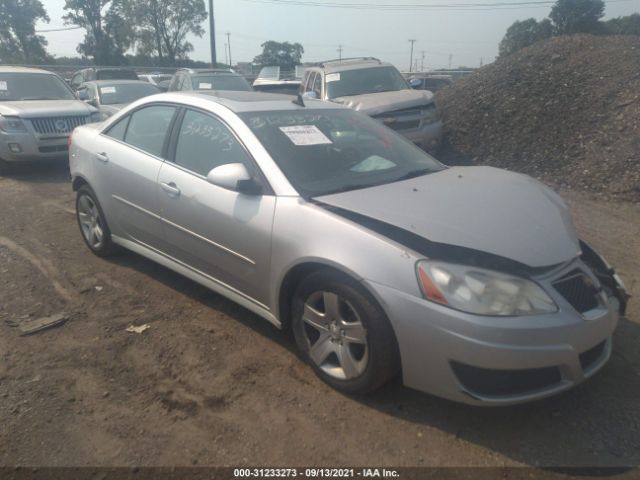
(336, 336)
(90, 222)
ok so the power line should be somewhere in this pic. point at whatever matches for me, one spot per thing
(413, 7)
(61, 29)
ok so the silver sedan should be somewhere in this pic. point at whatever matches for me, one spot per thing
(468, 282)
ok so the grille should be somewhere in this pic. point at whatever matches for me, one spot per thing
(57, 125)
(492, 382)
(54, 148)
(578, 290)
(591, 356)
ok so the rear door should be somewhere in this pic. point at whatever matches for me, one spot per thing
(218, 232)
(127, 159)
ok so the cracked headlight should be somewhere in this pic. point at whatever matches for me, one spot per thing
(12, 125)
(482, 292)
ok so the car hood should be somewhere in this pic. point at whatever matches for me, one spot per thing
(45, 108)
(383, 102)
(482, 208)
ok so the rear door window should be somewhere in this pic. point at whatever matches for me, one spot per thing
(148, 128)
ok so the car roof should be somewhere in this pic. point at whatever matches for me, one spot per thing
(196, 71)
(117, 82)
(4, 69)
(330, 66)
(240, 102)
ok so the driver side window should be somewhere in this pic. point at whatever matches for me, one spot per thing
(204, 143)
(317, 85)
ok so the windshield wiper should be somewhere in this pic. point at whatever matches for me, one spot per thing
(38, 98)
(415, 173)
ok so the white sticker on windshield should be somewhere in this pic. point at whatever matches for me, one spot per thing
(204, 86)
(305, 135)
(3, 85)
(108, 90)
(332, 77)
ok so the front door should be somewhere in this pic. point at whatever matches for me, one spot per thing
(222, 233)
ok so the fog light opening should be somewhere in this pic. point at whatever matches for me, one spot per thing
(15, 148)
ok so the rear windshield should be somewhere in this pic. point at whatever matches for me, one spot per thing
(33, 86)
(116, 75)
(125, 93)
(221, 82)
(364, 80)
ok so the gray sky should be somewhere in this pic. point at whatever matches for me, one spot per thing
(466, 35)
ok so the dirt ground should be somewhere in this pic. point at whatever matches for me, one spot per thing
(212, 384)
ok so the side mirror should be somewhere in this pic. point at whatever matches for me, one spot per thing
(82, 95)
(311, 94)
(415, 83)
(234, 176)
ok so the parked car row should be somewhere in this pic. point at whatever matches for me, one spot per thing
(364, 84)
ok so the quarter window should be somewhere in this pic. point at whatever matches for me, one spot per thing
(205, 143)
(118, 130)
(148, 128)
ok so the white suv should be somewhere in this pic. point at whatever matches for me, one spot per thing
(379, 90)
(38, 111)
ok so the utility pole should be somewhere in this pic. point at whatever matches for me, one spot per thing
(226, 58)
(450, 58)
(212, 35)
(481, 61)
(412, 40)
(422, 62)
(229, 43)
(340, 52)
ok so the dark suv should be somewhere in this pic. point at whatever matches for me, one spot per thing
(91, 74)
(208, 79)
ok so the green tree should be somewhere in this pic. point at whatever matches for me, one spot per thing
(285, 55)
(162, 27)
(524, 33)
(629, 25)
(19, 42)
(109, 32)
(577, 16)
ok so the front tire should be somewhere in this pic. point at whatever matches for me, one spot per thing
(93, 225)
(343, 333)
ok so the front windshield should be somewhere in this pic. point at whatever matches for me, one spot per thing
(364, 80)
(125, 92)
(33, 86)
(329, 151)
(221, 82)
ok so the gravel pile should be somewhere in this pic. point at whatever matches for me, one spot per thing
(566, 110)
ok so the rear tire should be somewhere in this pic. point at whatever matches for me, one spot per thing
(343, 333)
(93, 225)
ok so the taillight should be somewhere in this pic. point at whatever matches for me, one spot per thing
(69, 139)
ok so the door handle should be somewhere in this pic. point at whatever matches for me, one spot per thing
(102, 157)
(170, 188)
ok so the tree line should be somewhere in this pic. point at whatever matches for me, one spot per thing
(154, 28)
(567, 17)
